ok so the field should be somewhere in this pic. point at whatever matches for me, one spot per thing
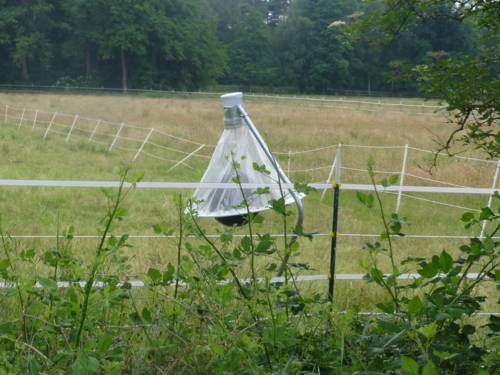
(288, 126)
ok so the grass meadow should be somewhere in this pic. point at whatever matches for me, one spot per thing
(288, 126)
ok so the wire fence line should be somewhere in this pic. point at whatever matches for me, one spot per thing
(376, 101)
(19, 116)
(109, 134)
(274, 235)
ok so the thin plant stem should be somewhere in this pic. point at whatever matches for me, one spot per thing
(388, 235)
(90, 282)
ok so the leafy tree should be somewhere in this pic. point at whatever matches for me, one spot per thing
(184, 44)
(469, 83)
(26, 26)
(124, 34)
(85, 19)
(249, 52)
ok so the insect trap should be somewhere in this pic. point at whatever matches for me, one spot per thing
(241, 154)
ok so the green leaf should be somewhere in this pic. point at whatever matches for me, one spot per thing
(409, 366)
(4, 265)
(261, 168)
(376, 275)
(257, 219)
(146, 315)
(104, 343)
(85, 365)
(134, 177)
(445, 261)
(429, 369)
(366, 199)
(467, 216)
(264, 245)
(393, 179)
(47, 283)
(226, 237)
(28, 254)
(386, 307)
(415, 306)
(246, 244)
(163, 228)
(428, 270)
(486, 213)
(120, 213)
(279, 206)
(154, 274)
(429, 331)
(262, 191)
(168, 275)
(488, 244)
(303, 187)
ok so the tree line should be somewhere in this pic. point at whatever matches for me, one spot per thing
(294, 45)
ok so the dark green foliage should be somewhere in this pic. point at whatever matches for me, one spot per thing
(303, 45)
(465, 79)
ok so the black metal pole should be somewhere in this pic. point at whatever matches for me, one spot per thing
(333, 234)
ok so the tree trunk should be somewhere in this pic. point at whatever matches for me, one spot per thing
(88, 63)
(24, 70)
(124, 70)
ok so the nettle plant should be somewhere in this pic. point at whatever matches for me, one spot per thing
(428, 327)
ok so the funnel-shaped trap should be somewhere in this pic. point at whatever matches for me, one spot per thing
(238, 151)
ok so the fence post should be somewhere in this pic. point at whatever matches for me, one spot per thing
(95, 129)
(288, 163)
(332, 169)
(143, 144)
(6, 112)
(402, 177)
(72, 127)
(50, 125)
(490, 199)
(116, 136)
(22, 118)
(34, 121)
(335, 219)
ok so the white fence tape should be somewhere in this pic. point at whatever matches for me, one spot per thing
(272, 280)
(232, 185)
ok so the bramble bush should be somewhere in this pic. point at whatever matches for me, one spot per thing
(210, 312)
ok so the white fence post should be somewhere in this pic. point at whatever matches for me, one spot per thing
(50, 125)
(143, 144)
(34, 121)
(6, 112)
(22, 118)
(95, 129)
(72, 127)
(332, 169)
(402, 177)
(490, 199)
(338, 164)
(288, 163)
(116, 136)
